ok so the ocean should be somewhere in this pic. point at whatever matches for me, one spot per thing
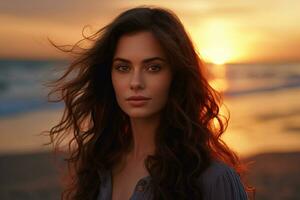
(22, 90)
(21, 85)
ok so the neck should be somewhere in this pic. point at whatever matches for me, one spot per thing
(143, 132)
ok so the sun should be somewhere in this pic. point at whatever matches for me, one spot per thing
(216, 55)
(216, 41)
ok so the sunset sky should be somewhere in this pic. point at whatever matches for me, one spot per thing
(224, 31)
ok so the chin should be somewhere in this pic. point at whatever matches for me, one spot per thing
(139, 114)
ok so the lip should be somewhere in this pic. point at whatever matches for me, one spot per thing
(137, 98)
(138, 103)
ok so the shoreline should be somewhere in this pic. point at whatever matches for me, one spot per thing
(22, 133)
(258, 123)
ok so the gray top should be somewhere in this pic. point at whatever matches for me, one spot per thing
(219, 181)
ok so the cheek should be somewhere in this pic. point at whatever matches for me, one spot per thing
(118, 85)
(161, 87)
(119, 89)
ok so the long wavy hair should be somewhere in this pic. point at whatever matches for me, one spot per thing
(98, 132)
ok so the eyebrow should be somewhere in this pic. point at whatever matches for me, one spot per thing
(147, 60)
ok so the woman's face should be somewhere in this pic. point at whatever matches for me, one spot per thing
(140, 68)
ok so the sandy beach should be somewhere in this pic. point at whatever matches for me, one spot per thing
(29, 176)
(21, 133)
(264, 122)
(38, 176)
(275, 175)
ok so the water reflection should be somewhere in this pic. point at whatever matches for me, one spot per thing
(217, 77)
(261, 119)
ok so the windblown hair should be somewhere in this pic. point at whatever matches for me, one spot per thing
(99, 133)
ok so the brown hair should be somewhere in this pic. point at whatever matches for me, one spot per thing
(188, 137)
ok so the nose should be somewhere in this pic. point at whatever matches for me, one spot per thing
(137, 81)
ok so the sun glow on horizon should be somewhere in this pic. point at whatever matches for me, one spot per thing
(218, 41)
(218, 74)
(215, 55)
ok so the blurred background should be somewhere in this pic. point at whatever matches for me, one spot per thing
(252, 51)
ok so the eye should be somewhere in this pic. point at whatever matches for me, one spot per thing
(122, 68)
(154, 68)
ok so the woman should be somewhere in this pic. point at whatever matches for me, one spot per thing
(141, 116)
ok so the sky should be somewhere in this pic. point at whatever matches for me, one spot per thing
(224, 31)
